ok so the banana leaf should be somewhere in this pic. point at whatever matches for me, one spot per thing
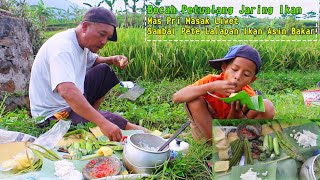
(259, 168)
(312, 127)
(252, 103)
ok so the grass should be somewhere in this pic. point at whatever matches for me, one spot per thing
(155, 110)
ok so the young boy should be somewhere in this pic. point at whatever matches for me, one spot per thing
(239, 68)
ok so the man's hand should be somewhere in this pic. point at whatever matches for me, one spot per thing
(236, 111)
(223, 87)
(78, 103)
(111, 130)
(120, 61)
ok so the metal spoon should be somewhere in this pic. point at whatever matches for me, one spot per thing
(175, 135)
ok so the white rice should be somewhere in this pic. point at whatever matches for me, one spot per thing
(306, 138)
(65, 170)
(250, 175)
(145, 146)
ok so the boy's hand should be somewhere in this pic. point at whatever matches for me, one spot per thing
(236, 111)
(223, 87)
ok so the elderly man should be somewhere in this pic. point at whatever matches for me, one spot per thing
(69, 81)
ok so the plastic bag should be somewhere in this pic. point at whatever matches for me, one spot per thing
(12, 136)
(53, 136)
(47, 140)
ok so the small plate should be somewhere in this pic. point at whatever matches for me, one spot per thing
(102, 167)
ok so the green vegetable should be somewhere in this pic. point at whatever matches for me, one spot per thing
(96, 144)
(285, 145)
(117, 148)
(74, 153)
(263, 156)
(49, 154)
(89, 146)
(276, 146)
(270, 143)
(266, 141)
(268, 153)
(83, 152)
(237, 149)
(247, 152)
(261, 138)
(82, 144)
(78, 131)
(76, 145)
(262, 148)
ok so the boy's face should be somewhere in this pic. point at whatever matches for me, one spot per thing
(240, 71)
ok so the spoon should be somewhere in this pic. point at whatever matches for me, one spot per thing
(175, 135)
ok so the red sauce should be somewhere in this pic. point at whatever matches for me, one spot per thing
(100, 169)
(247, 133)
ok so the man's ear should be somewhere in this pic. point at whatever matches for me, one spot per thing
(253, 78)
(224, 66)
(85, 26)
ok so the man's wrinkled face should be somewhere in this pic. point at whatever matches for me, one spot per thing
(97, 35)
(240, 71)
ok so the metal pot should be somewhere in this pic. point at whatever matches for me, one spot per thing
(141, 150)
(137, 169)
(307, 171)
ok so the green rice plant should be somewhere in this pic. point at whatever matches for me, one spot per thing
(155, 60)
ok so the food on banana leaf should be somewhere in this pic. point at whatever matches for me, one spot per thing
(223, 154)
(232, 136)
(218, 134)
(220, 166)
(223, 144)
(233, 94)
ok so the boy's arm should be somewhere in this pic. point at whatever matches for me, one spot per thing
(191, 92)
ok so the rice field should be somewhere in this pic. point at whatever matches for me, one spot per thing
(156, 60)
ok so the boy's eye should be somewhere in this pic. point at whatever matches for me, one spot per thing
(101, 34)
(247, 74)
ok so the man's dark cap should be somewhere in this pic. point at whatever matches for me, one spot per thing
(102, 15)
(244, 51)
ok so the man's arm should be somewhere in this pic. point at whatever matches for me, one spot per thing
(108, 60)
(78, 103)
(118, 60)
